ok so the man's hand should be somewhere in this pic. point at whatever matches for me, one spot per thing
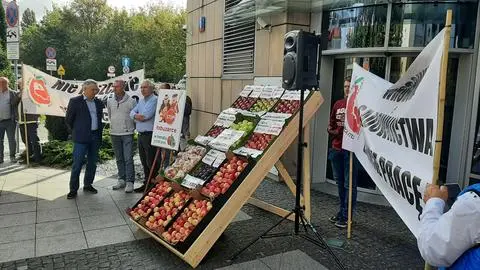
(332, 131)
(435, 191)
(139, 117)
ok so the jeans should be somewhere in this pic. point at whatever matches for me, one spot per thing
(79, 151)
(8, 126)
(33, 140)
(147, 154)
(340, 160)
(123, 149)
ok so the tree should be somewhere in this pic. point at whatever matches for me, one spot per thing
(3, 28)
(28, 18)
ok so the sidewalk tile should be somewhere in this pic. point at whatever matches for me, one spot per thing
(17, 233)
(17, 250)
(17, 219)
(107, 208)
(60, 244)
(55, 228)
(295, 259)
(56, 204)
(18, 207)
(102, 221)
(109, 236)
(251, 265)
(56, 214)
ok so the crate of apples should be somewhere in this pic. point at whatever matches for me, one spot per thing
(163, 215)
(187, 221)
(243, 103)
(263, 105)
(151, 200)
(225, 177)
(259, 141)
(215, 131)
(287, 106)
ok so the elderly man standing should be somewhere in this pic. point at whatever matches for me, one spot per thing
(8, 116)
(84, 119)
(144, 116)
(122, 126)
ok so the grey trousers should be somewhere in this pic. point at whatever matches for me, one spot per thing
(123, 148)
(8, 126)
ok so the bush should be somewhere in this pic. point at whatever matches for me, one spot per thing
(59, 154)
(57, 129)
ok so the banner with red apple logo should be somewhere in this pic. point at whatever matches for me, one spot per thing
(48, 95)
(167, 127)
(391, 128)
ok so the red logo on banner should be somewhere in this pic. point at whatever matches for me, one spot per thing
(353, 118)
(38, 92)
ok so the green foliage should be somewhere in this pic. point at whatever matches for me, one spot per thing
(57, 129)
(28, 19)
(3, 28)
(89, 36)
(59, 154)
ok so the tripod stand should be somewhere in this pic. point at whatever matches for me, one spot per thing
(299, 209)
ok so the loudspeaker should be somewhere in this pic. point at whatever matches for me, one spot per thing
(300, 60)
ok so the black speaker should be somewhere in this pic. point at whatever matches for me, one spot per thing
(300, 60)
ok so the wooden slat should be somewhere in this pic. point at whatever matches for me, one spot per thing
(271, 208)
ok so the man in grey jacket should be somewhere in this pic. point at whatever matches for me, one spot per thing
(8, 116)
(122, 126)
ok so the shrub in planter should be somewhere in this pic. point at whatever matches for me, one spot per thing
(57, 129)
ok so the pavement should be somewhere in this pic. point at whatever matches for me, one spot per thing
(40, 229)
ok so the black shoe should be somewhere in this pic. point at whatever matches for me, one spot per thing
(342, 224)
(71, 195)
(90, 189)
(333, 219)
(140, 189)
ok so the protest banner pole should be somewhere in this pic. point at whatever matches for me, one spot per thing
(441, 103)
(350, 180)
(151, 171)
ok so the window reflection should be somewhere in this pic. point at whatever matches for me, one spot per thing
(356, 27)
(415, 25)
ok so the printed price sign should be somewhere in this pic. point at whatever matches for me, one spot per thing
(244, 151)
(269, 127)
(210, 157)
(295, 95)
(226, 139)
(219, 160)
(191, 182)
(225, 119)
(246, 91)
(257, 91)
(203, 140)
(276, 116)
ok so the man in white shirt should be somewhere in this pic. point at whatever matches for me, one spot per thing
(445, 237)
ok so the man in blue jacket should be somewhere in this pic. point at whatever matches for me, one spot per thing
(84, 119)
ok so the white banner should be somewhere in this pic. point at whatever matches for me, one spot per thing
(45, 94)
(168, 118)
(392, 129)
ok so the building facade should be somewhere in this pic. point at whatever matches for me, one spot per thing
(241, 42)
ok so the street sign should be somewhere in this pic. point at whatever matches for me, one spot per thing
(125, 62)
(11, 14)
(13, 34)
(111, 69)
(51, 64)
(60, 70)
(110, 75)
(51, 53)
(13, 51)
(126, 70)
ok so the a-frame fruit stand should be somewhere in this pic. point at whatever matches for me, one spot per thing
(222, 208)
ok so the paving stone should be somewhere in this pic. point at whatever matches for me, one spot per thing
(17, 250)
(17, 233)
(109, 236)
(18, 207)
(103, 221)
(60, 244)
(17, 219)
(56, 214)
(54, 228)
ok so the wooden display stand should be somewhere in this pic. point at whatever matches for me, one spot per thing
(197, 251)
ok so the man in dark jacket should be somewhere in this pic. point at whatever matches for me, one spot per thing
(84, 119)
(8, 116)
(31, 141)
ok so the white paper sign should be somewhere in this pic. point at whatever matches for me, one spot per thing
(246, 91)
(225, 119)
(245, 151)
(169, 118)
(191, 182)
(272, 92)
(257, 91)
(271, 127)
(276, 116)
(219, 160)
(226, 139)
(295, 94)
